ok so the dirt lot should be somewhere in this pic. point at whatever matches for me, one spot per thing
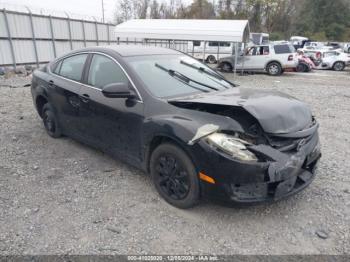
(61, 197)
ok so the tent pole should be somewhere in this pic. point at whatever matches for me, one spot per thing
(236, 57)
(205, 44)
(218, 54)
(243, 58)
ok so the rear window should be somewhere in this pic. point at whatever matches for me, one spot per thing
(283, 49)
(56, 67)
(72, 67)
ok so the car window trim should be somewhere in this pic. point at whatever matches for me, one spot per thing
(60, 62)
(88, 62)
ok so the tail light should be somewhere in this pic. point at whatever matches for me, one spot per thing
(290, 58)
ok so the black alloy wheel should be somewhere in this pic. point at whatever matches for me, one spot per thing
(174, 176)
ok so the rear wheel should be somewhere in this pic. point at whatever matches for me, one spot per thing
(300, 68)
(338, 66)
(211, 59)
(174, 176)
(274, 69)
(50, 121)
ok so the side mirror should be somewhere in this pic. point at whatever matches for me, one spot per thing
(118, 90)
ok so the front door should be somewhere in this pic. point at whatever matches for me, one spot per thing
(113, 124)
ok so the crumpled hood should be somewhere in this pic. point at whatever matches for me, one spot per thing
(277, 113)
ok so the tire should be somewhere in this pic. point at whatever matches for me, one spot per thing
(226, 67)
(50, 121)
(274, 69)
(175, 176)
(211, 59)
(300, 68)
(338, 66)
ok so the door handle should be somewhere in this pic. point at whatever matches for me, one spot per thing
(85, 98)
(51, 83)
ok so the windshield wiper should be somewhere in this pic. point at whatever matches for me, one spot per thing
(203, 70)
(185, 79)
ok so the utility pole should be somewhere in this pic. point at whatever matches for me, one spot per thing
(103, 12)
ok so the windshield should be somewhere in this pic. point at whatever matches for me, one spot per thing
(168, 76)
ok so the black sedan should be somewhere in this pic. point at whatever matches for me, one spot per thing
(195, 132)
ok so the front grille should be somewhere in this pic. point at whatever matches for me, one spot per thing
(286, 144)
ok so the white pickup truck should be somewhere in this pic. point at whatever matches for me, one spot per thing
(271, 58)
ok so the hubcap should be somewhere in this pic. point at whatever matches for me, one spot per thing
(274, 69)
(172, 178)
(338, 66)
(212, 60)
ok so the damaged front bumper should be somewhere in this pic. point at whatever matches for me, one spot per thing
(281, 175)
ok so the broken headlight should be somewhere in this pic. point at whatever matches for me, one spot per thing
(232, 146)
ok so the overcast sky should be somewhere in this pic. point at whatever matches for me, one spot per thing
(83, 7)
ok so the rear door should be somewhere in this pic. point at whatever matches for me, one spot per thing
(285, 54)
(65, 84)
(113, 124)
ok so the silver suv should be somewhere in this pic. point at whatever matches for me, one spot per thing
(271, 58)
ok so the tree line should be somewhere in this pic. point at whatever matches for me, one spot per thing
(320, 20)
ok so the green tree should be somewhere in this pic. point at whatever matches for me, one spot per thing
(323, 16)
(201, 9)
(335, 31)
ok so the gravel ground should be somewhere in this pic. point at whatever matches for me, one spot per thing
(58, 196)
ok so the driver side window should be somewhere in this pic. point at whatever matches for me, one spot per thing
(104, 71)
(251, 51)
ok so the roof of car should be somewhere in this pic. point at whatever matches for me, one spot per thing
(133, 50)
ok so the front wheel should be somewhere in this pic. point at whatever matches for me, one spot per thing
(226, 67)
(175, 176)
(274, 69)
(338, 66)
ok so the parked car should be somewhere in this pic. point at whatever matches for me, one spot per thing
(212, 51)
(346, 48)
(328, 59)
(334, 45)
(272, 58)
(195, 132)
(313, 45)
(298, 41)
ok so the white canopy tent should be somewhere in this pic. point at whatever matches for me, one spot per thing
(186, 29)
(236, 31)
